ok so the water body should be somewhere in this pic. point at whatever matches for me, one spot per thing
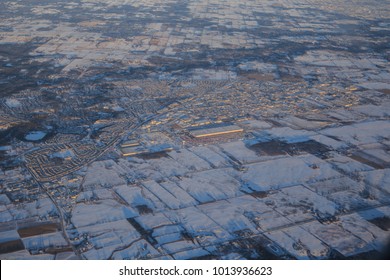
(35, 135)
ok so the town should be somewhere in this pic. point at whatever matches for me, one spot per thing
(194, 129)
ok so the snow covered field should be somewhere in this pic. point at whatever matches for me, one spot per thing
(197, 129)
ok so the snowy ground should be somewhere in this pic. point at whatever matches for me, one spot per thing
(305, 175)
(303, 205)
